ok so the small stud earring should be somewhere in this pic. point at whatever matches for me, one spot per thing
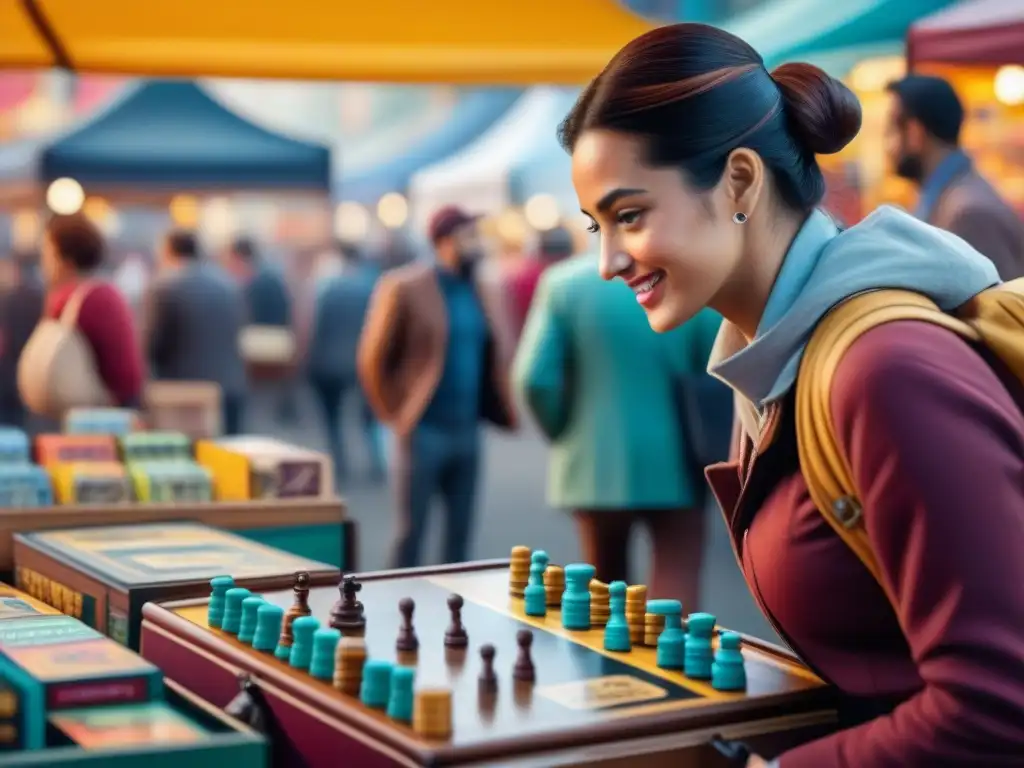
(739, 217)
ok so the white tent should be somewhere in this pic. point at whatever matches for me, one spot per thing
(478, 177)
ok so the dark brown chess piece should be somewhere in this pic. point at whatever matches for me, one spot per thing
(299, 607)
(407, 640)
(249, 706)
(488, 680)
(456, 636)
(348, 616)
(523, 670)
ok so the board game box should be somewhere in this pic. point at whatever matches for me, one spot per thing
(104, 575)
(474, 680)
(254, 467)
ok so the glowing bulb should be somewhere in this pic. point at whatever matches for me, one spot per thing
(392, 210)
(65, 196)
(1009, 85)
(351, 222)
(541, 212)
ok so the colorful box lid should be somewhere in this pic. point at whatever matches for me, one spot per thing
(166, 553)
(58, 648)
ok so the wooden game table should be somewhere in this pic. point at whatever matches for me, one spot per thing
(317, 529)
(587, 706)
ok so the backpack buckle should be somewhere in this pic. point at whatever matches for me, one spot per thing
(847, 511)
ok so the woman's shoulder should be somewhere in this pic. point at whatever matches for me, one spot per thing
(892, 363)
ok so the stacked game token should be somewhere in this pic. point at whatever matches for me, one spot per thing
(269, 618)
(654, 623)
(535, 597)
(519, 570)
(349, 659)
(599, 604)
(325, 645)
(219, 586)
(376, 688)
(636, 609)
(616, 631)
(400, 702)
(232, 618)
(432, 713)
(576, 597)
(247, 625)
(670, 640)
(301, 653)
(727, 671)
(554, 584)
(699, 656)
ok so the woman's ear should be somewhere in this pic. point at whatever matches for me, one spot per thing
(743, 180)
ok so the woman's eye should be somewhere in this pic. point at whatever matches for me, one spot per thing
(592, 227)
(629, 217)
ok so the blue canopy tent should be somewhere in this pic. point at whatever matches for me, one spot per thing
(785, 30)
(163, 137)
(547, 168)
(472, 115)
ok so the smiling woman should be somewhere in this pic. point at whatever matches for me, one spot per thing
(697, 167)
(683, 98)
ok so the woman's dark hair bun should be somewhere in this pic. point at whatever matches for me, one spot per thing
(823, 114)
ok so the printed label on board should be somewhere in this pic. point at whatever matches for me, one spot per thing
(602, 692)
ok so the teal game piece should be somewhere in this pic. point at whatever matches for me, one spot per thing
(376, 688)
(269, 619)
(325, 643)
(215, 611)
(247, 626)
(232, 618)
(535, 596)
(728, 672)
(616, 631)
(401, 700)
(672, 640)
(302, 641)
(698, 655)
(576, 597)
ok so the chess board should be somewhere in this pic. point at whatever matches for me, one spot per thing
(587, 706)
(103, 575)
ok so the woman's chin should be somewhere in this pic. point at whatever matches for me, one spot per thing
(664, 318)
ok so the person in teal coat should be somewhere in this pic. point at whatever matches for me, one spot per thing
(604, 389)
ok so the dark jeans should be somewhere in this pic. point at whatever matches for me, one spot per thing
(331, 395)
(432, 462)
(233, 414)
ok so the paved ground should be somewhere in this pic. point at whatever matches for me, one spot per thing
(512, 511)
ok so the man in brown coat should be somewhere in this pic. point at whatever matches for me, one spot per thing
(923, 144)
(433, 361)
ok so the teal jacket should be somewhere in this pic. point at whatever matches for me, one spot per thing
(602, 386)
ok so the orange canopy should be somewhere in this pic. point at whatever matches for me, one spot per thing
(452, 41)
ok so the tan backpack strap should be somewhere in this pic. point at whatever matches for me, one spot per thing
(69, 315)
(825, 469)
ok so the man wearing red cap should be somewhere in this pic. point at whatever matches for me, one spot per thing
(434, 360)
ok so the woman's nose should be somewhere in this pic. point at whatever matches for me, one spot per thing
(613, 261)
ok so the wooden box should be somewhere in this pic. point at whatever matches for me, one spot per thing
(106, 574)
(192, 407)
(316, 529)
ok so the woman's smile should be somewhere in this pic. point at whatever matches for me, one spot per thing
(648, 288)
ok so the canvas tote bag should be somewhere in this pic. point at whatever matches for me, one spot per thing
(57, 370)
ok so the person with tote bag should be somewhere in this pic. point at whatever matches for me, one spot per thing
(84, 352)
